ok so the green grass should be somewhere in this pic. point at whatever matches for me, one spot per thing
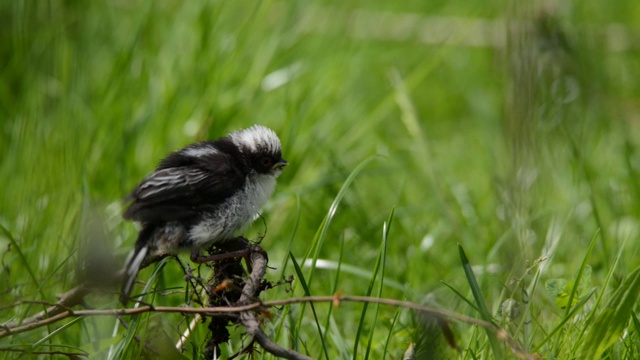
(514, 152)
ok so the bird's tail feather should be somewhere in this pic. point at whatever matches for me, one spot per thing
(131, 272)
(133, 263)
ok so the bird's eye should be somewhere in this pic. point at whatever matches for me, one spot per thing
(266, 161)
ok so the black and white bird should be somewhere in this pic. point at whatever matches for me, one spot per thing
(202, 195)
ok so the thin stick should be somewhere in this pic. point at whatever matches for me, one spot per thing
(224, 311)
(248, 318)
(185, 335)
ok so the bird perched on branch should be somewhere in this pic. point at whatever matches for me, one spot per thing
(202, 195)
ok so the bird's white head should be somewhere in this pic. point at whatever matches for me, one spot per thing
(261, 146)
(256, 138)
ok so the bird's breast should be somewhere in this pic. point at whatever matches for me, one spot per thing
(235, 213)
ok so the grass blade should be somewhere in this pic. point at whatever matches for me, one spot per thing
(482, 307)
(564, 320)
(585, 260)
(285, 261)
(313, 308)
(379, 260)
(614, 319)
(135, 321)
(464, 298)
(322, 232)
(383, 256)
(293, 235)
(393, 325)
(358, 271)
(23, 259)
(599, 298)
(335, 285)
(636, 323)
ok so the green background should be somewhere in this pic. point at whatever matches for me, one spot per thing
(509, 128)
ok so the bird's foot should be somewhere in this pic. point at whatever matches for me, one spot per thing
(198, 258)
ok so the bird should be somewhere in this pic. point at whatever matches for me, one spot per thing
(202, 195)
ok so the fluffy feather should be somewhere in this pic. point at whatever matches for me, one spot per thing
(203, 194)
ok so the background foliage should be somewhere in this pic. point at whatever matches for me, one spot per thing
(510, 129)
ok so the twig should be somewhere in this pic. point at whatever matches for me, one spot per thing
(67, 300)
(185, 335)
(70, 355)
(72, 298)
(191, 325)
(245, 310)
(248, 318)
(246, 349)
(225, 311)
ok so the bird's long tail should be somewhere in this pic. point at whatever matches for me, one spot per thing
(133, 263)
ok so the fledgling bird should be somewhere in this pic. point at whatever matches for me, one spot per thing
(202, 195)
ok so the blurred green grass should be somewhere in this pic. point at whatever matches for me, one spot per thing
(514, 151)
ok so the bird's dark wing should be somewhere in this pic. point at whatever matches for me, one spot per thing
(181, 193)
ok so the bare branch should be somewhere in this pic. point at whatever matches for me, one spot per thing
(245, 310)
(67, 300)
(223, 310)
(70, 355)
(71, 298)
(248, 318)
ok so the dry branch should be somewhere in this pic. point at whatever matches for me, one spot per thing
(248, 318)
(223, 310)
(242, 311)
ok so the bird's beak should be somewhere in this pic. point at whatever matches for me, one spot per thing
(280, 164)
